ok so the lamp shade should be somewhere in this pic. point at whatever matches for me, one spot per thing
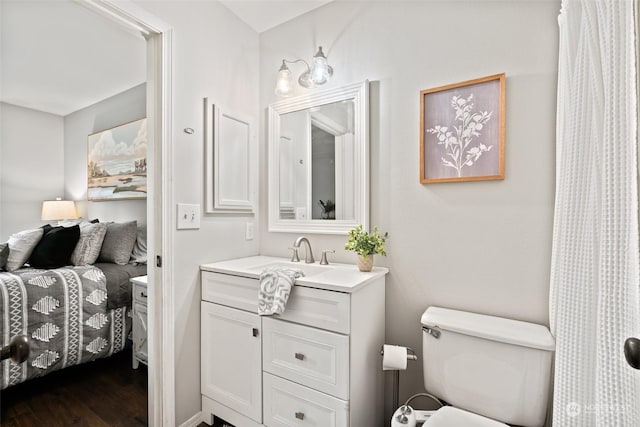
(55, 210)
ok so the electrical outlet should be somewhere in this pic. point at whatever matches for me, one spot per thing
(301, 214)
(249, 231)
(188, 216)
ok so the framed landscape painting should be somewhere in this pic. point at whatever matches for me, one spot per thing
(462, 131)
(117, 162)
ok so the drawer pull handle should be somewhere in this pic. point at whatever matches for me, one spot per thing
(299, 356)
(143, 294)
(255, 332)
(300, 415)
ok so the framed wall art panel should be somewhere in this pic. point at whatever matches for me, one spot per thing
(462, 131)
(228, 172)
(117, 162)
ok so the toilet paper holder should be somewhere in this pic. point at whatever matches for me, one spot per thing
(411, 355)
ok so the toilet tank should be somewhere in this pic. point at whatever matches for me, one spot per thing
(496, 367)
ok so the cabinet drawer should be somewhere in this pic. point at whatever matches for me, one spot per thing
(308, 306)
(308, 356)
(232, 291)
(140, 293)
(287, 404)
(318, 307)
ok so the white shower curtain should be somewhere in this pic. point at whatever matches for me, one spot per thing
(594, 299)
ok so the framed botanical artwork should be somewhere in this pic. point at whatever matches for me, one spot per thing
(117, 162)
(462, 131)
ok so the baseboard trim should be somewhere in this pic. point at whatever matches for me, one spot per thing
(193, 421)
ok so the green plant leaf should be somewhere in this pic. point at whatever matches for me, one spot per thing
(365, 243)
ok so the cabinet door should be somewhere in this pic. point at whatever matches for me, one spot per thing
(140, 346)
(231, 359)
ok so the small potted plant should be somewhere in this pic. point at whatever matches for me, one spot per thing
(366, 245)
(328, 209)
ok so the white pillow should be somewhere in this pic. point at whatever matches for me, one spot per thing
(90, 243)
(21, 245)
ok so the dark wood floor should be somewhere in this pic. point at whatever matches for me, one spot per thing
(107, 392)
(217, 423)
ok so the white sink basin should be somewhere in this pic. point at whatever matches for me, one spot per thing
(334, 277)
(307, 269)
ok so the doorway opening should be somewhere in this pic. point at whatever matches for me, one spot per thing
(161, 382)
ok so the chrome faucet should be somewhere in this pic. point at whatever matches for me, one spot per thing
(308, 254)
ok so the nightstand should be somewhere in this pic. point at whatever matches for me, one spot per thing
(139, 312)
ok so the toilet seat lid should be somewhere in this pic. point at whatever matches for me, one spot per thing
(448, 416)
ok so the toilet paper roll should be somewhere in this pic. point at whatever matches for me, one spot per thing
(394, 358)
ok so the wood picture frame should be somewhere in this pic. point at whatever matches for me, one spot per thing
(462, 131)
(117, 162)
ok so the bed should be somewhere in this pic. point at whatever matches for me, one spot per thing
(71, 315)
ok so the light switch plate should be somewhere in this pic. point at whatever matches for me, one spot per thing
(249, 232)
(188, 216)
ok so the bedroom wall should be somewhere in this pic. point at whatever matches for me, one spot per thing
(215, 55)
(476, 246)
(121, 108)
(31, 166)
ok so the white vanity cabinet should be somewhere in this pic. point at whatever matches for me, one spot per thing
(316, 364)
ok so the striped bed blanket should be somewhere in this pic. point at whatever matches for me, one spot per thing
(63, 313)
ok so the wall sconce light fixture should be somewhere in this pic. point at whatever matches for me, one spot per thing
(318, 74)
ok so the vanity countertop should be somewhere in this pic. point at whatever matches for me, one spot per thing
(335, 277)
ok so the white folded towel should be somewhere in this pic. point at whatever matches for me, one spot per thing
(275, 287)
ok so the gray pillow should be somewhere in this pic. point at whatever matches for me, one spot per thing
(90, 243)
(4, 255)
(139, 253)
(21, 245)
(118, 242)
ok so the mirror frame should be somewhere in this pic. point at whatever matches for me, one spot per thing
(359, 93)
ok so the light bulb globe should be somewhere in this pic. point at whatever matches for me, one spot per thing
(284, 84)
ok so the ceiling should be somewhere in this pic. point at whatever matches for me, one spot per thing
(60, 57)
(262, 15)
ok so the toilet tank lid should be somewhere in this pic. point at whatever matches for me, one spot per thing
(490, 327)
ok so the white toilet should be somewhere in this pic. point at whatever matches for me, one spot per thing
(490, 370)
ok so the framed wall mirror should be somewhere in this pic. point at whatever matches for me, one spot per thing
(319, 161)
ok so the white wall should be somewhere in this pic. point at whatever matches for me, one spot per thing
(215, 55)
(477, 246)
(31, 166)
(44, 156)
(118, 109)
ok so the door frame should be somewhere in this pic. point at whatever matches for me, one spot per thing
(161, 337)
